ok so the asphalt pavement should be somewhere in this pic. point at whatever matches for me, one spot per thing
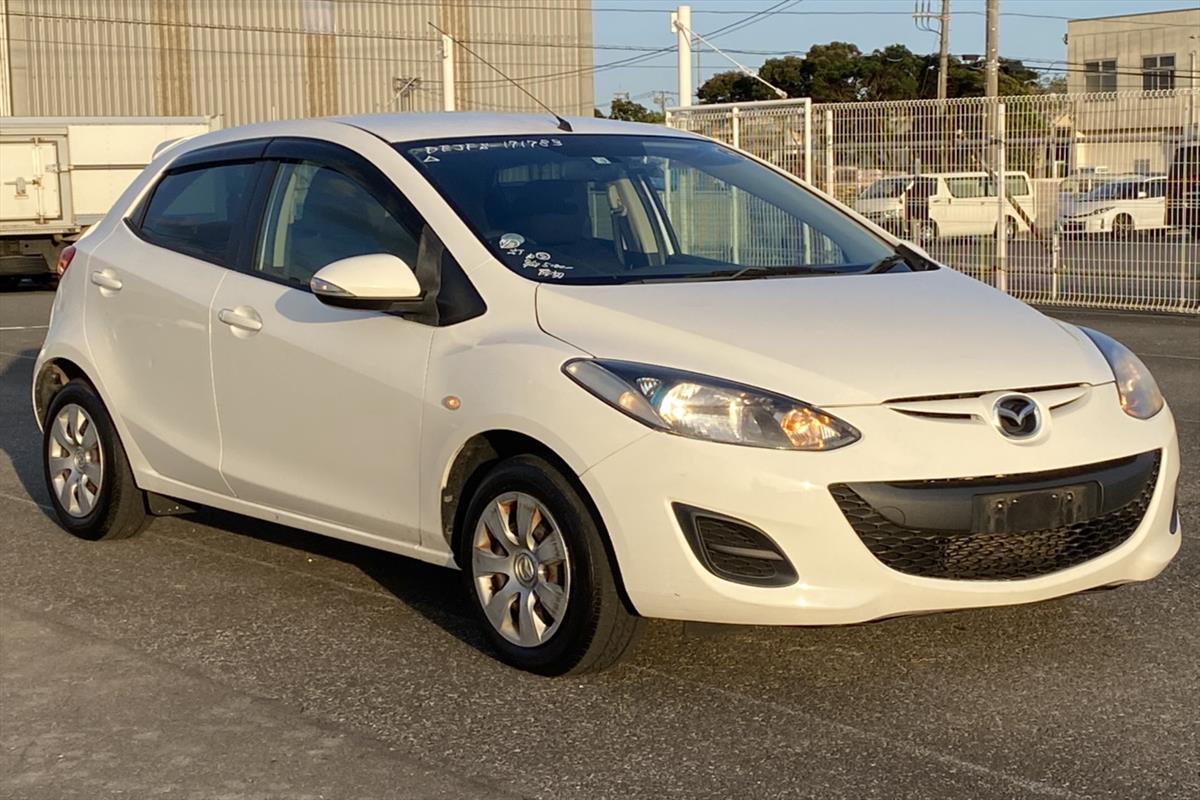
(215, 656)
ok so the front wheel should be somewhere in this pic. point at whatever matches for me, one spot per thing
(538, 574)
(1122, 226)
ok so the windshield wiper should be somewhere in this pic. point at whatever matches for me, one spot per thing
(741, 274)
(903, 255)
(886, 263)
(767, 272)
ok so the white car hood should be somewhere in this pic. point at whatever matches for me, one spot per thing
(831, 341)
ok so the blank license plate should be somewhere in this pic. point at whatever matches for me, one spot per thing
(1042, 509)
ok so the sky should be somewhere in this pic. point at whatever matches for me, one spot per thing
(867, 23)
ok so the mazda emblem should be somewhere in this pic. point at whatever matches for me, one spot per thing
(1017, 416)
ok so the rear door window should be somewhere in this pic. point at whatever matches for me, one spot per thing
(197, 211)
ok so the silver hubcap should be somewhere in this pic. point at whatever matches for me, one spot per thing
(521, 569)
(75, 460)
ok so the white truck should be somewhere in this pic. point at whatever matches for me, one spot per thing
(58, 175)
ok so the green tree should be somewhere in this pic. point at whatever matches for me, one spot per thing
(833, 73)
(631, 111)
(839, 72)
(733, 87)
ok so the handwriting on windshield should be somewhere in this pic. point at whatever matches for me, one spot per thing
(540, 261)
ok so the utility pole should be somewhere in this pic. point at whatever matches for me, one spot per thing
(660, 99)
(447, 73)
(993, 60)
(681, 23)
(944, 49)
(924, 17)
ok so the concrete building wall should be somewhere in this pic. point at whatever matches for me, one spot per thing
(1127, 40)
(272, 59)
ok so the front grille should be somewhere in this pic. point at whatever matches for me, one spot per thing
(734, 550)
(965, 555)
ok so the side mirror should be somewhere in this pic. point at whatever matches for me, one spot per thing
(376, 281)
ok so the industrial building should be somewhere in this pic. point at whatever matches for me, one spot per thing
(1146, 64)
(253, 60)
(1138, 52)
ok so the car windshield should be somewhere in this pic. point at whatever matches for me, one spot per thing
(583, 209)
(886, 188)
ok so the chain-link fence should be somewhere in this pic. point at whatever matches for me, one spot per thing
(1099, 205)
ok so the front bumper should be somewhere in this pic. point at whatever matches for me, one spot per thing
(1095, 223)
(787, 496)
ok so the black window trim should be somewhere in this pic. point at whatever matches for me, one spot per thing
(461, 304)
(135, 220)
(295, 149)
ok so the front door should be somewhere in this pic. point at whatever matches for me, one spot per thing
(320, 407)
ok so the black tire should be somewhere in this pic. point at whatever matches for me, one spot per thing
(1122, 227)
(597, 629)
(119, 510)
(1010, 228)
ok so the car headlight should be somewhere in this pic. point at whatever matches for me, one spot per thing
(701, 407)
(1140, 396)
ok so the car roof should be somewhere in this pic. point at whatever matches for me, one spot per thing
(452, 125)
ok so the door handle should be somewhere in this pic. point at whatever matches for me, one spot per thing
(105, 279)
(243, 317)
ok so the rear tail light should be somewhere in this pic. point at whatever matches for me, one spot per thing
(64, 259)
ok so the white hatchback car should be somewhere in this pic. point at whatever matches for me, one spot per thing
(609, 371)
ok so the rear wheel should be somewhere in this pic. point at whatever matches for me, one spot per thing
(87, 475)
(1010, 228)
(537, 572)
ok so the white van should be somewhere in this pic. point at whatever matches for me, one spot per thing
(948, 204)
(954, 204)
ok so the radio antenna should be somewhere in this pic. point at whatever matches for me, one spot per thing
(563, 125)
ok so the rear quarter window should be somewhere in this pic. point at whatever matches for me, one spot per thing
(196, 211)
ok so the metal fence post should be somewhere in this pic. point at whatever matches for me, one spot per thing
(735, 123)
(1000, 163)
(808, 138)
(829, 161)
(1055, 263)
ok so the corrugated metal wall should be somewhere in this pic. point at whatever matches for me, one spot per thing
(273, 59)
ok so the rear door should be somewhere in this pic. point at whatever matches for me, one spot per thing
(30, 193)
(150, 290)
(320, 407)
(1152, 209)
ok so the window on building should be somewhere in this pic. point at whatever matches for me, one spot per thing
(1101, 75)
(1158, 72)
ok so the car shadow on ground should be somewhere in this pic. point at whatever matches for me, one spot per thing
(20, 438)
(432, 591)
